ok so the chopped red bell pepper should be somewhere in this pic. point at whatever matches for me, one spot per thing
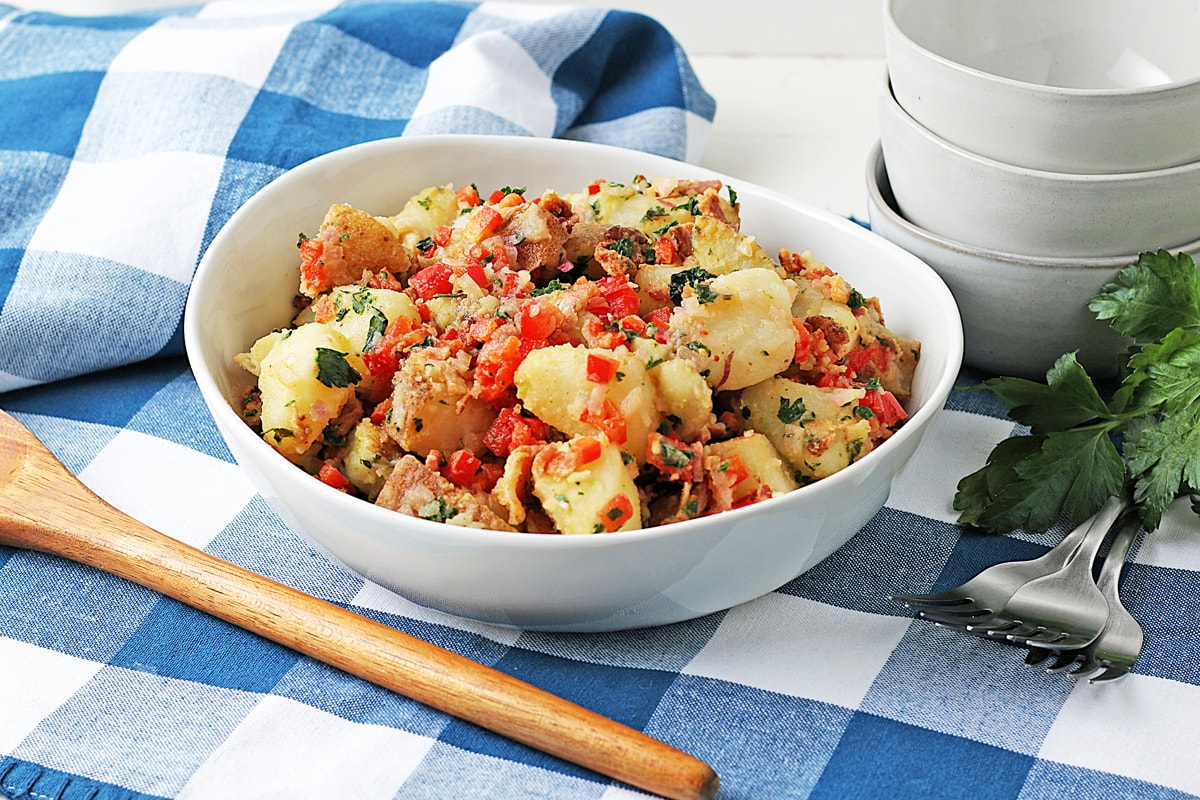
(467, 195)
(462, 468)
(601, 369)
(331, 476)
(586, 450)
(665, 251)
(511, 430)
(615, 513)
(537, 319)
(621, 296)
(484, 222)
(803, 341)
(885, 406)
(608, 419)
(433, 280)
(660, 318)
(496, 366)
(312, 268)
(873, 360)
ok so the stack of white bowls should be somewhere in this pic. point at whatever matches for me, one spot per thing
(1031, 149)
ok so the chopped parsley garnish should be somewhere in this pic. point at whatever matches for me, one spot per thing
(791, 411)
(426, 245)
(333, 370)
(623, 247)
(511, 190)
(437, 510)
(332, 436)
(691, 206)
(279, 434)
(654, 212)
(695, 277)
(376, 328)
(1069, 462)
(555, 285)
(732, 196)
(856, 300)
(674, 456)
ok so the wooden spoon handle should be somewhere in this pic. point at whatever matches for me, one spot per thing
(48, 509)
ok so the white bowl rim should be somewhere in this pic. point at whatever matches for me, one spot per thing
(889, 21)
(453, 534)
(876, 163)
(1046, 176)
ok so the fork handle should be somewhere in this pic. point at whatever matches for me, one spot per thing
(1091, 537)
(1118, 551)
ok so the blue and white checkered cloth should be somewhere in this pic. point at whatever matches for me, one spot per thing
(126, 141)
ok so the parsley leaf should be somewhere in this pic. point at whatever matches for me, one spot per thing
(1069, 462)
(1162, 456)
(791, 411)
(1068, 398)
(1151, 298)
(376, 328)
(695, 277)
(333, 370)
(555, 285)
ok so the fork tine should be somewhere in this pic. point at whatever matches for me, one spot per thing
(1110, 674)
(1025, 632)
(993, 627)
(1037, 655)
(1088, 666)
(954, 614)
(937, 599)
(1063, 660)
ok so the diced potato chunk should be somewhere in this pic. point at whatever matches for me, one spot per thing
(305, 379)
(816, 430)
(760, 459)
(719, 249)
(683, 397)
(431, 404)
(552, 383)
(739, 331)
(424, 211)
(366, 462)
(592, 497)
(362, 314)
(416, 490)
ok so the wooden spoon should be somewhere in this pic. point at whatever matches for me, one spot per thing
(46, 508)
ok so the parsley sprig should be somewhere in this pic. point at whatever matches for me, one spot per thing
(1081, 448)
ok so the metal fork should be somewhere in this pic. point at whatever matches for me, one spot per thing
(1113, 653)
(976, 604)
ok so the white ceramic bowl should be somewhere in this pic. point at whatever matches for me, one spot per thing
(243, 289)
(989, 204)
(1065, 86)
(1019, 313)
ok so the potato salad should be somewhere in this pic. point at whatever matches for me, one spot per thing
(613, 358)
